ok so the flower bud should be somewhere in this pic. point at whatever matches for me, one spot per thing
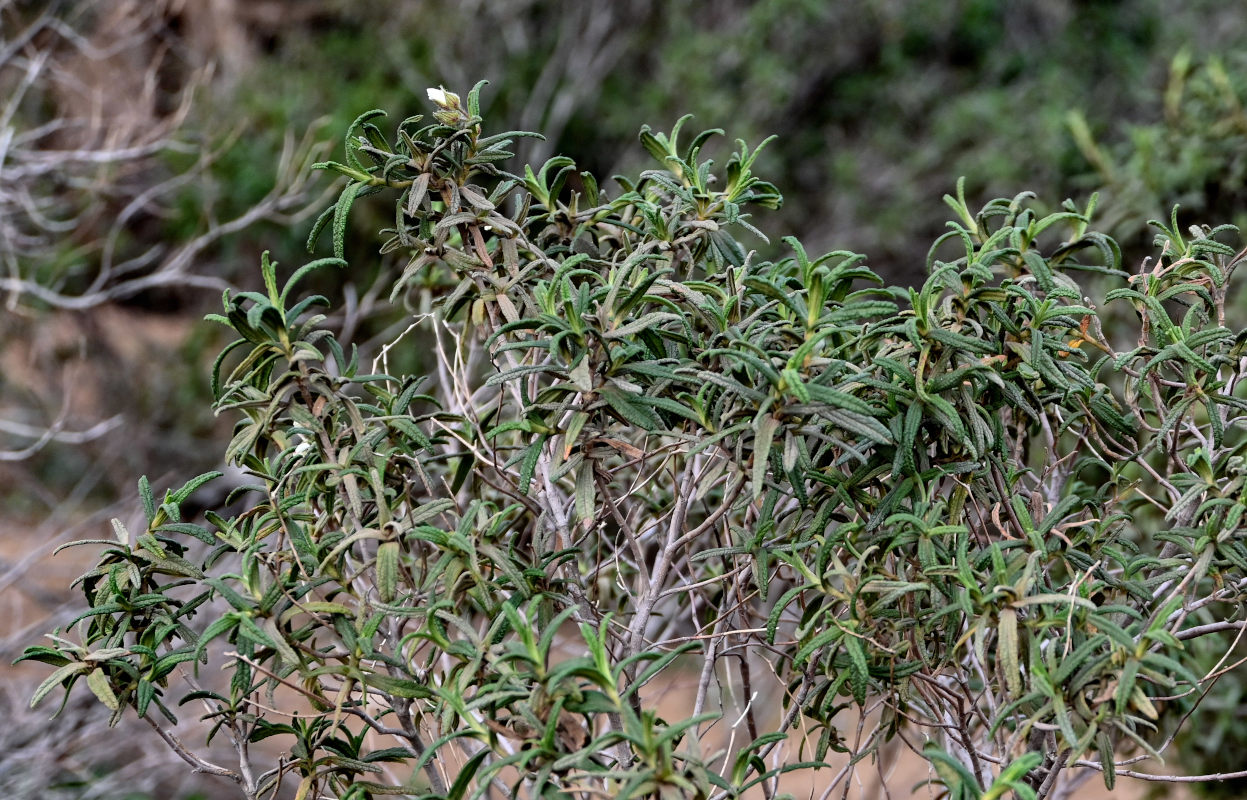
(443, 98)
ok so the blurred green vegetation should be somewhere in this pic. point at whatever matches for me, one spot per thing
(879, 105)
(1214, 744)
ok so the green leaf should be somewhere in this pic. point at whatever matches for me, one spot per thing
(149, 501)
(586, 498)
(764, 438)
(632, 412)
(859, 674)
(532, 454)
(387, 571)
(1008, 650)
(351, 142)
(215, 629)
(908, 445)
(649, 321)
(950, 418)
(467, 774)
(198, 531)
(318, 607)
(399, 687)
(321, 221)
(1013, 778)
(340, 214)
(1104, 748)
(304, 547)
(68, 673)
(47, 655)
(190, 487)
(959, 780)
(143, 697)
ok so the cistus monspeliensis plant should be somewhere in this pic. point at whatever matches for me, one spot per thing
(981, 519)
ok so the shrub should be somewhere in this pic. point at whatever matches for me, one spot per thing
(1192, 154)
(968, 507)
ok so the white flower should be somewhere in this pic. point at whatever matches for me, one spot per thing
(443, 98)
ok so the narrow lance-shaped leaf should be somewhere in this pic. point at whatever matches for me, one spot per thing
(1008, 650)
(387, 571)
(764, 438)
